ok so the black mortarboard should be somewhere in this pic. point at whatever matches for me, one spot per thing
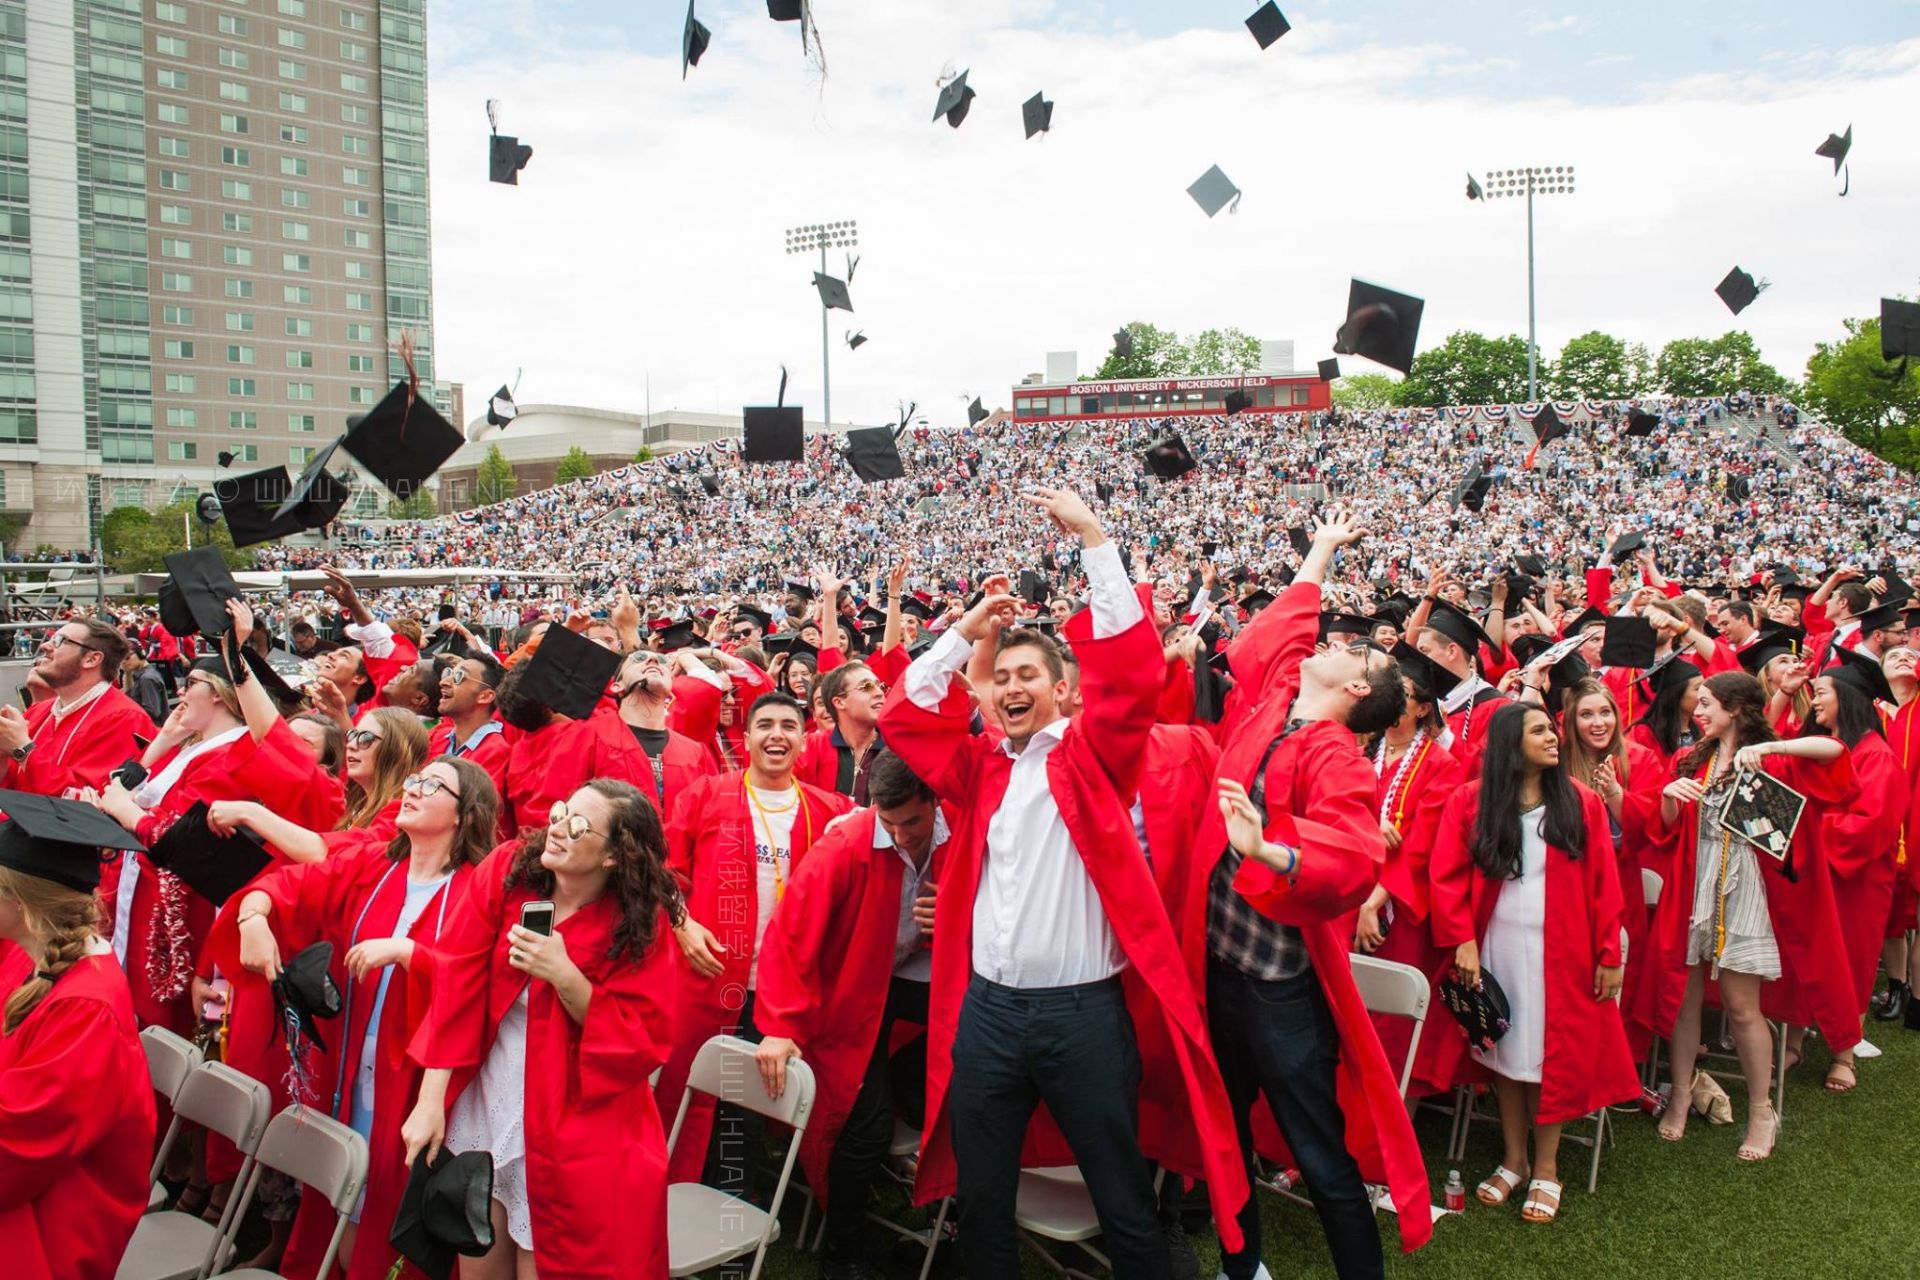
(1332, 620)
(1835, 148)
(225, 458)
(1423, 670)
(833, 293)
(58, 840)
(1329, 370)
(1459, 626)
(1238, 402)
(1123, 339)
(1169, 458)
(977, 413)
(855, 341)
(1474, 189)
(501, 409)
(317, 494)
(754, 614)
(1627, 543)
(872, 619)
(402, 440)
(1738, 290)
(1630, 642)
(1585, 618)
(1037, 114)
(1667, 672)
(790, 643)
(710, 482)
(1861, 672)
(1300, 539)
(1548, 426)
(1267, 24)
(955, 98)
(1255, 600)
(873, 455)
(568, 674)
(1471, 490)
(919, 608)
(1381, 325)
(1897, 588)
(1795, 591)
(1033, 587)
(1899, 328)
(677, 635)
(269, 675)
(213, 866)
(802, 588)
(1532, 566)
(506, 158)
(202, 585)
(694, 39)
(251, 505)
(1212, 191)
(445, 1210)
(772, 434)
(1881, 616)
(305, 991)
(1774, 641)
(1642, 423)
(784, 10)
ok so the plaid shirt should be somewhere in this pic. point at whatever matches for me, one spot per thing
(1237, 933)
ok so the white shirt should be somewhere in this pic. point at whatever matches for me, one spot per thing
(375, 638)
(911, 960)
(772, 818)
(1037, 919)
(146, 795)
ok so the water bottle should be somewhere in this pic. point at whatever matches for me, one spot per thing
(1456, 1192)
(1287, 1179)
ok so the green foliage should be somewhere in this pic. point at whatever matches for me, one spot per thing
(1470, 368)
(1359, 392)
(1218, 352)
(494, 480)
(11, 524)
(643, 454)
(1162, 353)
(1847, 387)
(420, 506)
(577, 465)
(1594, 366)
(135, 540)
(1717, 367)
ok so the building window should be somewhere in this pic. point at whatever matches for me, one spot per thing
(352, 113)
(359, 333)
(176, 147)
(174, 180)
(183, 418)
(233, 124)
(176, 248)
(293, 102)
(357, 177)
(350, 51)
(352, 83)
(182, 383)
(300, 422)
(237, 354)
(232, 24)
(299, 359)
(239, 322)
(176, 282)
(239, 386)
(165, 12)
(296, 231)
(287, 36)
(173, 113)
(356, 208)
(300, 262)
(236, 222)
(293, 198)
(358, 239)
(299, 327)
(245, 452)
(299, 391)
(239, 288)
(359, 301)
(359, 364)
(171, 46)
(234, 91)
(235, 58)
(293, 166)
(182, 450)
(294, 133)
(353, 146)
(240, 157)
(359, 271)
(236, 255)
(293, 9)
(362, 395)
(299, 295)
(234, 189)
(353, 21)
(166, 78)
(291, 70)
(176, 349)
(299, 455)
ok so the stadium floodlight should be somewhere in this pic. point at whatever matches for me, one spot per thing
(1531, 181)
(823, 236)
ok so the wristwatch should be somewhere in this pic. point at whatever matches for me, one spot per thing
(21, 752)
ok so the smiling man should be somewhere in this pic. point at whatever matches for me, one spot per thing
(69, 741)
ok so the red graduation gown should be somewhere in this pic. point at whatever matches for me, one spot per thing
(1093, 774)
(1587, 1063)
(81, 750)
(1863, 843)
(76, 1129)
(1905, 741)
(682, 761)
(710, 843)
(353, 895)
(16, 966)
(1816, 982)
(1321, 775)
(489, 753)
(550, 764)
(1636, 851)
(596, 1151)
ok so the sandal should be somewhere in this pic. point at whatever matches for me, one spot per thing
(1751, 1153)
(193, 1199)
(1536, 1208)
(1677, 1132)
(1499, 1186)
(1837, 1083)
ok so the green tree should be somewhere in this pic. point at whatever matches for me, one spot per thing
(493, 481)
(643, 454)
(1593, 366)
(1717, 367)
(1641, 379)
(420, 506)
(1470, 368)
(1847, 386)
(134, 540)
(1156, 352)
(1218, 352)
(1362, 391)
(577, 465)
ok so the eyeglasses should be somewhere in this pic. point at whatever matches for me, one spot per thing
(362, 738)
(199, 677)
(742, 633)
(423, 786)
(574, 824)
(456, 676)
(59, 638)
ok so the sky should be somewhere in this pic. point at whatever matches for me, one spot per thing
(642, 262)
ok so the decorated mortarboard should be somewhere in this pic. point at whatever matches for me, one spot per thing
(1630, 642)
(1329, 370)
(694, 39)
(1459, 626)
(1423, 670)
(833, 292)
(1267, 24)
(445, 1211)
(568, 674)
(58, 840)
(1381, 325)
(873, 455)
(1739, 290)
(501, 409)
(506, 157)
(1036, 114)
(251, 505)
(201, 586)
(1642, 423)
(303, 994)
(1169, 457)
(214, 866)
(1213, 191)
(402, 440)
(955, 99)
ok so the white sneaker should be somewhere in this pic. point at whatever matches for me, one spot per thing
(1866, 1049)
(1261, 1274)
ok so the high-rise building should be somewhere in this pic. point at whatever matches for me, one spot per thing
(213, 224)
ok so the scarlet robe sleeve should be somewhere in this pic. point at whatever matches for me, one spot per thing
(801, 939)
(935, 744)
(402, 655)
(830, 659)
(1407, 873)
(50, 1117)
(627, 1030)
(683, 832)
(1863, 832)
(454, 1031)
(1602, 870)
(1599, 589)
(1813, 618)
(889, 665)
(1119, 687)
(696, 709)
(750, 686)
(1451, 870)
(1336, 829)
(1277, 640)
(306, 896)
(1640, 798)
(97, 746)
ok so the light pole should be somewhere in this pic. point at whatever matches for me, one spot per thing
(823, 236)
(1545, 180)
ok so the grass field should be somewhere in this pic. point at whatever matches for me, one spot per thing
(1840, 1197)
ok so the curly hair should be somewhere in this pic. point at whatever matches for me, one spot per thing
(639, 881)
(63, 919)
(1746, 701)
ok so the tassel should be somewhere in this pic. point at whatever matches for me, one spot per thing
(1531, 455)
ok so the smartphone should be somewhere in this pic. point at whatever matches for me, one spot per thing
(537, 917)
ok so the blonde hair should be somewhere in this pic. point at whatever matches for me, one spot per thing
(1801, 702)
(1583, 760)
(63, 919)
(401, 751)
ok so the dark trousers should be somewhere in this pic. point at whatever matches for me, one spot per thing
(1072, 1048)
(739, 1137)
(867, 1136)
(1278, 1039)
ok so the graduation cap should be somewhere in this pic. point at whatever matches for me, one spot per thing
(677, 635)
(1474, 190)
(1459, 626)
(1238, 402)
(501, 409)
(251, 504)
(833, 293)
(1587, 617)
(201, 586)
(784, 10)
(1642, 423)
(304, 993)
(1532, 566)
(317, 495)
(1424, 670)
(1899, 334)
(1345, 623)
(1627, 543)
(1773, 642)
(1213, 190)
(1473, 486)
(1897, 588)
(1329, 370)
(1301, 540)
(855, 341)
(772, 434)
(1544, 651)
(1667, 672)
(694, 39)
(402, 440)
(801, 588)
(1033, 587)
(790, 643)
(445, 1210)
(1861, 673)
(1630, 642)
(710, 482)
(873, 455)
(1123, 340)
(1835, 148)
(1739, 290)
(506, 157)
(224, 458)
(955, 99)
(756, 615)
(1037, 114)
(1381, 325)
(1548, 426)
(1882, 616)
(1169, 458)
(568, 674)
(214, 866)
(918, 605)
(58, 840)
(1255, 600)
(270, 677)
(1267, 24)
(872, 619)
(977, 413)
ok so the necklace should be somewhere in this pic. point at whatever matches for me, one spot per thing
(1393, 806)
(761, 811)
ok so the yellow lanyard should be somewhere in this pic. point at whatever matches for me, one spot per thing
(800, 798)
(1720, 885)
(1413, 771)
(1906, 760)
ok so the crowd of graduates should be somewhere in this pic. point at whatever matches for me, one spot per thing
(1055, 845)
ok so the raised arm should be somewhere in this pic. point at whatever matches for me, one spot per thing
(256, 707)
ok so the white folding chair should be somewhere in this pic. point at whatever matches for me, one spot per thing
(1650, 886)
(319, 1153)
(706, 1226)
(1053, 1203)
(179, 1246)
(170, 1060)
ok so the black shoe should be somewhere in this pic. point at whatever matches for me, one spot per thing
(1180, 1252)
(1893, 1003)
(1913, 1015)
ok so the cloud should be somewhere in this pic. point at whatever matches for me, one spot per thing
(1609, 59)
(644, 248)
(1541, 24)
